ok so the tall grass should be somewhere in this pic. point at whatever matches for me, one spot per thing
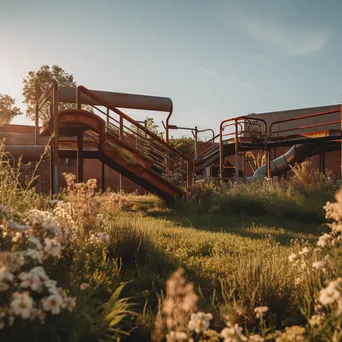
(18, 191)
(300, 199)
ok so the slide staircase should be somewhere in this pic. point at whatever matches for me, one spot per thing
(121, 143)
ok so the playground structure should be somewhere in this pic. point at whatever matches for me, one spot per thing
(88, 124)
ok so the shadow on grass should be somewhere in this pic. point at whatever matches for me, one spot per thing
(255, 227)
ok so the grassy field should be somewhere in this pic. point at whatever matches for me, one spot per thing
(112, 256)
(221, 254)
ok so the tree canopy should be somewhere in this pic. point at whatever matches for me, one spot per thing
(36, 82)
(184, 145)
(8, 110)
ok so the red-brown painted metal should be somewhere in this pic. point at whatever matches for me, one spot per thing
(164, 158)
(236, 124)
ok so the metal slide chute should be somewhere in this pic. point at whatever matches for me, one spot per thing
(296, 154)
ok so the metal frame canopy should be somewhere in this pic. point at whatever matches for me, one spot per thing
(121, 100)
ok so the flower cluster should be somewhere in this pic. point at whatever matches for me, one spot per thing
(28, 293)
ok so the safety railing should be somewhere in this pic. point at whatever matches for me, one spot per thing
(207, 147)
(272, 130)
(242, 128)
(166, 160)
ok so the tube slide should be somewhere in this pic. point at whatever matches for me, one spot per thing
(296, 154)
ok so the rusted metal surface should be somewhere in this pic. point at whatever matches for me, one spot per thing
(133, 136)
(80, 158)
(238, 124)
(120, 100)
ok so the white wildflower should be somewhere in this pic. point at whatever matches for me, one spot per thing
(52, 227)
(52, 247)
(200, 322)
(18, 226)
(34, 255)
(255, 338)
(53, 303)
(331, 293)
(260, 310)
(51, 285)
(176, 336)
(318, 265)
(36, 242)
(32, 281)
(292, 257)
(69, 303)
(233, 334)
(54, 202)
(103, 236)
(5, 278)
(316, 320)
(304, 251)
(15, 260)
(298, 281)
(22, 304)
(84, 286)
(324, 240)
(17, 236)
(40, 272)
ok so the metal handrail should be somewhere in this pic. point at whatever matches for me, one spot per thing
(235, 122)
(154, 139)
(270, 132)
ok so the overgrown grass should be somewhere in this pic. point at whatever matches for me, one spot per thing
(300, 199)
(233, 242)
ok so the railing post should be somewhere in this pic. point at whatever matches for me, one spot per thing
(221, 152)
(54, 141)
(103, 177)
(189, 173)
(80, 157)
(36, 117)
(121, 128)
(268, 154)
(196, 137)
(107, 120)
(236, 153)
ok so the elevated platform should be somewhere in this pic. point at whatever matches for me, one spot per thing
(114, 138)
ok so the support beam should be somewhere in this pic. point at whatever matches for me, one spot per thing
(103, 177)
(236, 155)
(54, 142)
(322, 162)
(196, 141)
(80, 158)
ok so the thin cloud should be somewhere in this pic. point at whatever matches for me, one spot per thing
(213, 73)
(296, 42)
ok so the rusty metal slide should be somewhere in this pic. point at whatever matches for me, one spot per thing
(296, 154)
(118, 140)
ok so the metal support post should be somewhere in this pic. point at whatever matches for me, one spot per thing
(236, 154)
(196, 142)
(80, 157)
(54, 141)
(36, 114)
(244, 166)
(322, 162)
(103, 179)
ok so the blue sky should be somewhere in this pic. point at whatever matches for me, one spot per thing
(214, 59)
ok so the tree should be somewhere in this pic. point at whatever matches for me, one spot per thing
(8, 110)
(184, 145)
(36, 82)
